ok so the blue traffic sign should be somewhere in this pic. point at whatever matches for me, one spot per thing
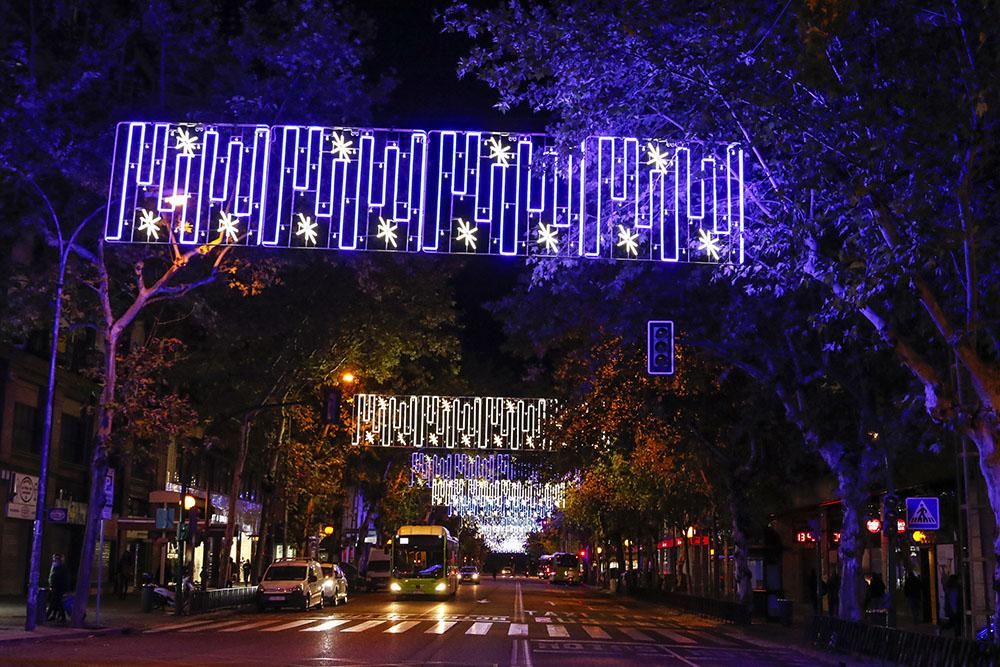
(923, 514)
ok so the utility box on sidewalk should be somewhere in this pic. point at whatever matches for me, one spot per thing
(41, 606)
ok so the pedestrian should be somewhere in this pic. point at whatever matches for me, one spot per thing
(246, 571)
(58, 586)
(953, 605)
(912, 591)
(122, 571)
(833, 591)
(875, 595)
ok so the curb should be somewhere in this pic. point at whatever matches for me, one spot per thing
(75, 633)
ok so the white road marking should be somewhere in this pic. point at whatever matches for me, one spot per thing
(247, 626)
(674, 636)
(440, 628)
(290, 625)
(557, 631)
(595, 632)
(518, 630)
(176, 626)
(326, 625)
(479, 629)
(543, 619)
(213, 626)
(361, 627)
(637, 635)
(400, 628)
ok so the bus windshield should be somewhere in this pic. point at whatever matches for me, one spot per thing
(566, 560)
(418, 556)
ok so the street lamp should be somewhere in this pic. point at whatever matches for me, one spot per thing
(189, 501)
(348, 378)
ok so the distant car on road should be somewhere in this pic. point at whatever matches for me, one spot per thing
(291, 582)
(468, 574)
(507, 571)
(334, 584)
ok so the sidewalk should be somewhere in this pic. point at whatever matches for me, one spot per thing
(117, 617)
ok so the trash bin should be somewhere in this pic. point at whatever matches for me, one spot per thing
(147, 598)
(41, 606)
(783, 608)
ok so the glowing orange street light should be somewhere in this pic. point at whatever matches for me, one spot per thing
(348, 378)
(328, 530)
(189, 502)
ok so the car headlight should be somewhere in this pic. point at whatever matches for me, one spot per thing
(327, 585)
(394, 587)
(441, 587)
(475, 575)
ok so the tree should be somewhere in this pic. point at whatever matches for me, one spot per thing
(854, 185)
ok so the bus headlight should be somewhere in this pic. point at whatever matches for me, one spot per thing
(394, 587)
(440, 588)
(475, 575)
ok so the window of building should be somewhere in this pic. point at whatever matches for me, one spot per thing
(73, 440)
(27, 432)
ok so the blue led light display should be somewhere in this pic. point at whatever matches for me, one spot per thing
(469, 193)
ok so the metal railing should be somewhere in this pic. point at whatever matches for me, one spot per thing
(901, 647)
(221, 598)
(729, 611)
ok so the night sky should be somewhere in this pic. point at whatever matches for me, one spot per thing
(429, 96)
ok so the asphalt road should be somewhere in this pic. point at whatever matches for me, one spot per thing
(516, 622)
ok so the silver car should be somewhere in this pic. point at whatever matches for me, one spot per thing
(334, 585)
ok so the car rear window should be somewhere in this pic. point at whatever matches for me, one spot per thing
(285, 573)
(378, 566)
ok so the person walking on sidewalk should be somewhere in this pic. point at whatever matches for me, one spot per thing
(58, 585)
(246, 571)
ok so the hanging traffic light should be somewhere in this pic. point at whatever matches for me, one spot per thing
(660, 347)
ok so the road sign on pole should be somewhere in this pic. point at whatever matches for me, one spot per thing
(923, 513)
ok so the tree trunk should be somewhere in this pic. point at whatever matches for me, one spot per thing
(743, 577)
(98, 471)
(985, 440)
(225, 575)
(852, 583)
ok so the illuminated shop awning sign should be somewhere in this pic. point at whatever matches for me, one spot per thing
(416, 191)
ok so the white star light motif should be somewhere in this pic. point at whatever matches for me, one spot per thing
(708, 243)
(187, 144)
(227, 226)
(499, 153)
(466, 440)
(433, 439)
(149, 223)
(658, 159)
(341, 146)
(497, 440)
(184, 227)
(386, 231)
(466, 233)
(549, 237)
(306, 228)
(628, 240)
(369, 437)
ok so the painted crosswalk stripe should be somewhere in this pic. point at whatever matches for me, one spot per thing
(595, 632)
(361, 627)
(440, 628)
(543, 619)
(212, 626)
(479, 629)
(402, 627)
(674, 636)
(518, 630)
(176, 626)
(721, 641)
(637, 634)
(325, 625)
(557, 631)
(247, 626)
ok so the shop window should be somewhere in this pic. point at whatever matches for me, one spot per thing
(27, 432)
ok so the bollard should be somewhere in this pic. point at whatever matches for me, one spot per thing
(147, 598)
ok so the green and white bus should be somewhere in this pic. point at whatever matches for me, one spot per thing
(424, 562)
(565, 568)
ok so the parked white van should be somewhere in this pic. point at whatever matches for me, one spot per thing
(291, 582)
(377, 576)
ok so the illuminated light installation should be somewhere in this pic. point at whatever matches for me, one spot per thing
(450, 422)
(502, 497)
(485, 193)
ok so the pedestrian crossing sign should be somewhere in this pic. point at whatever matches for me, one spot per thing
(923, 514)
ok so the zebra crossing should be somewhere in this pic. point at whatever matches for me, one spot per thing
(548, 628)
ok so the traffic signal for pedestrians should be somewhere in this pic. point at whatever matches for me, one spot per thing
(660, 347)
(331, 405)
